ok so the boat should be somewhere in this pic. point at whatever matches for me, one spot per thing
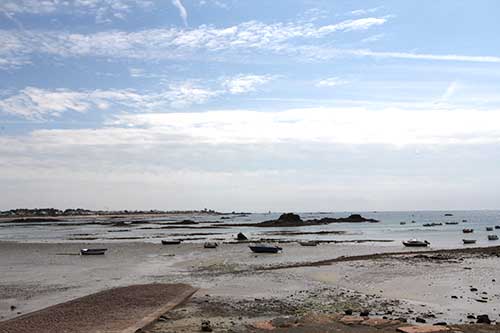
(469, 241)
(492, 237)
(489, 228)
(448, 214)
(467, 231)
(431, 224)
(210, 245)
(416, 243)
(402, 223)
(497, 227)
(308, 243)
(451, 223)
(171, 241)
(464, 220)
(265, 248)
(92, 252)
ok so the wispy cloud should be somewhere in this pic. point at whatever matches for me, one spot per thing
(182, 11)
(245, 83)
(36, 104)
(360, 12)
(172, 43)
(103, 10)
(319, 53)
(331, 82)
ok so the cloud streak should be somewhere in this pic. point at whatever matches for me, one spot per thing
(182, 11)
(36, 103)
(172, 43)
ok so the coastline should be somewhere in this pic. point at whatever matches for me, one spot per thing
(40, 274)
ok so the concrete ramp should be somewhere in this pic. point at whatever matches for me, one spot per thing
(118, 310)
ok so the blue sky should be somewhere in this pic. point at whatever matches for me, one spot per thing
(250, 105)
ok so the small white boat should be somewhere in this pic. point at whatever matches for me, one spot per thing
(492, 237)
(416, 243)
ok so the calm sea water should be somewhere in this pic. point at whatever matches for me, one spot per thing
(389, 228)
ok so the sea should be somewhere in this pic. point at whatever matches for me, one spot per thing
(393, 228)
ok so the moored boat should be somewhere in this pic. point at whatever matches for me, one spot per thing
(171, 241)
(467, 231)
(489, 228)
(92, 252)
(451, 223)
(497, 227)
(469, 241)
(402, 223)
(492, 237)
(265, 248)
(416, 243)
(210, 245)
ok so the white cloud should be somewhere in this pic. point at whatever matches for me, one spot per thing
(172, 43)
(360, 12)
(182, 10)
(450, 91)
(331, 82)
(103, 10)
(373, 38)
(245, 83)
(35, 103)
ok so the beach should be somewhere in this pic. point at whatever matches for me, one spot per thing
(249, 288)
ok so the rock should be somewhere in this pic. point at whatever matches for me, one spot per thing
(206, 326)
(351, 320)
(289, 217)
(441, 323)
(483, 319)
(364, 313)
(348, 312)
(420, 320)
(241, 236)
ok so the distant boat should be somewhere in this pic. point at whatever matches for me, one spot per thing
(210, 245)
(448, 214)
(489, 228)
(402, 223)
(451, 223)
(467, 231)
(416, 243)
(265, 248)
(492, 237)
(464, 220)
(497, 227)
(469, 241)
(92, 252)
(171, 241)
(431, 224)
(308, 243)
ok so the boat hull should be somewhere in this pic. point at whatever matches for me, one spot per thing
(265, 249)
(93, 252)
(410, 244)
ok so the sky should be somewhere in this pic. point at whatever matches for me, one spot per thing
(258, 105)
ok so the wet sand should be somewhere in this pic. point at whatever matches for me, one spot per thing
(35, 276)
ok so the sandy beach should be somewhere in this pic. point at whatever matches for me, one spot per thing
(439, 286)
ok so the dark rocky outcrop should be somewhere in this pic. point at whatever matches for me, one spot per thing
(294, 220)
